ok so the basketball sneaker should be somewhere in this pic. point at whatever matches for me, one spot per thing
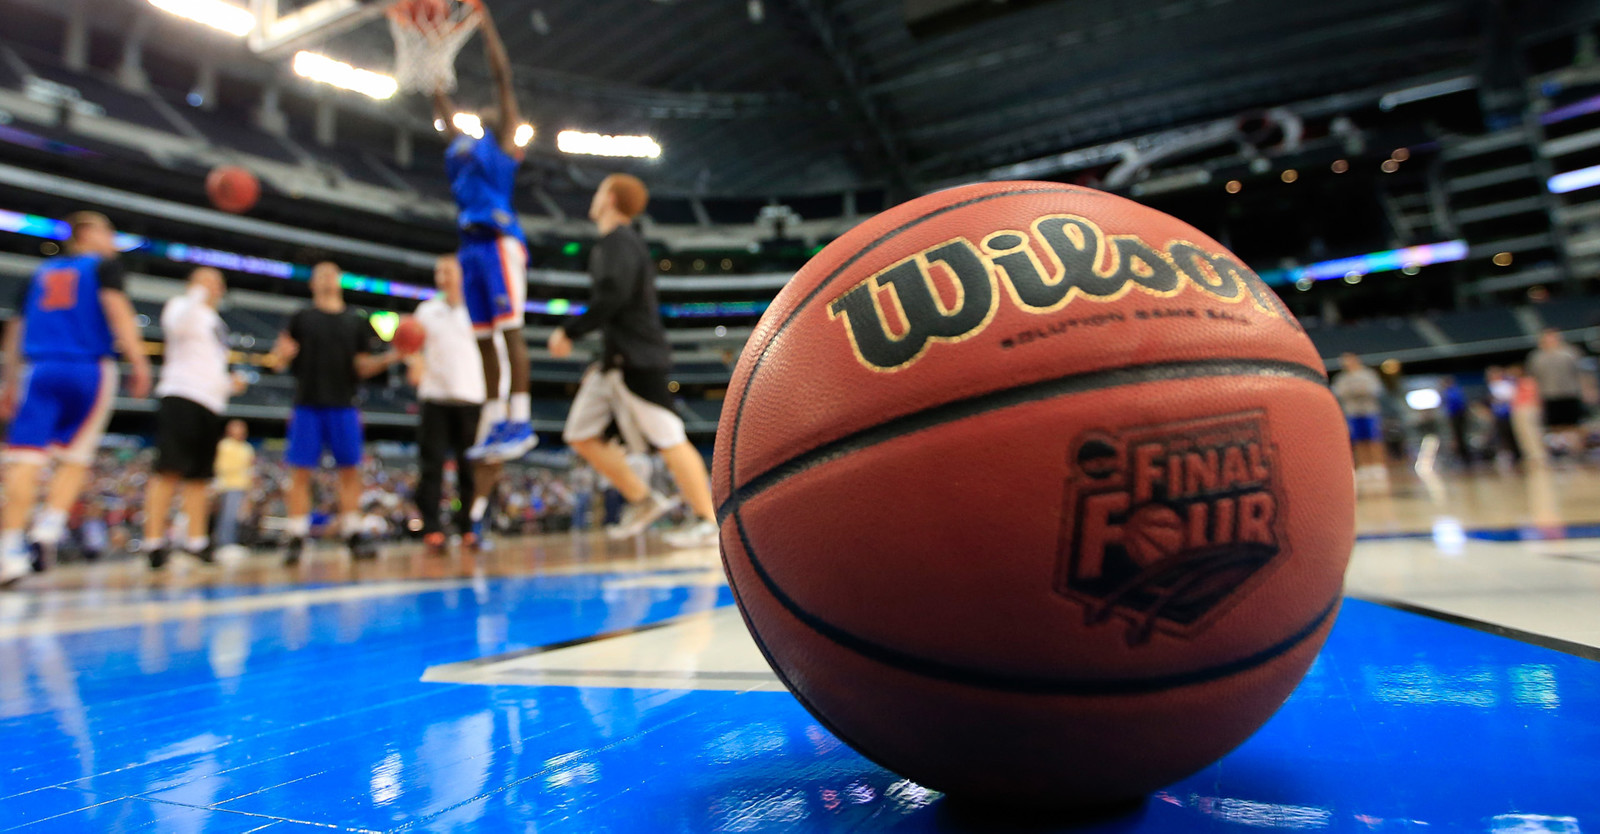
(518, 440)
(13, 567)
(697, 533)
(637, 518)
(474, 540)
(487, 450)
(292, 554)
(433, 543)
(362, 546)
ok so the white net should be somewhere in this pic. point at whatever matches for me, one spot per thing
(425, 47)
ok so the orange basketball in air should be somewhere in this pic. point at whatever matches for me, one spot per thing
(233, 189)
(409, 336)
(1033, 493)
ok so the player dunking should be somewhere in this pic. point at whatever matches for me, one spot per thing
(73, 311)
(494, 251)
(628, 386)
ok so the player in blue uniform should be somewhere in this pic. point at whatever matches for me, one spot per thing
(494, 252)
(59, 381)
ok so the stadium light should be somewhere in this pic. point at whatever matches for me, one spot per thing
(339, 74)
(1574, 180)
(468, 123)
(217, 14)
(596, 144)
(524, 135)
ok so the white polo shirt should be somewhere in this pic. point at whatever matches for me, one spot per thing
(452, 367)
(195, 363)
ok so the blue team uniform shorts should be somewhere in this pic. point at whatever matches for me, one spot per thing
(494, 279)
(1364, 428)
(314, 428)
(64, 408)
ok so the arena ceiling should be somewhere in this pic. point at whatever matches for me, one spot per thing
(826, 94)
(780, 97)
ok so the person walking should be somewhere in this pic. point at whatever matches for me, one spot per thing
(1358, 390)
(1554, 366)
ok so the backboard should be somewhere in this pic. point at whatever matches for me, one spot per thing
(283, 26)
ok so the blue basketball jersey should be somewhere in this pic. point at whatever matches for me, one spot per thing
(482, 178)
(64, 321)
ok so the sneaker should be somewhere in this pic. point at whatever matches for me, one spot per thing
(157, 557)
(697, 533)
(517, 440)
(475, 540)
(292, 554)
(637, 518)
(488, 449)
(13, 567)
(433, 543)
(362, 546)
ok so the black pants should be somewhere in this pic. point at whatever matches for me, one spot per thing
(446, 429)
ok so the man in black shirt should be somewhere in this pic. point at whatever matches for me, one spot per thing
(628, 386)
(329, 349)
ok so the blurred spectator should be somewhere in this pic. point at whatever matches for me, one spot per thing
(1502, 390)
(1526, 417)
(1358, 389)
(1554, 367)
(1455, 409)
(236, 463)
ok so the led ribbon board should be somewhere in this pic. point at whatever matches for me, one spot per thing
(1387, 261)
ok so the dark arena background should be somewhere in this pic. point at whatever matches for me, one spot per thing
(1418, 182)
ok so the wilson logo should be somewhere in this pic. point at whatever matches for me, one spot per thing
(1165, 526)
(950, 292)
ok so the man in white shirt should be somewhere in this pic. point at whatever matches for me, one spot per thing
(194, 390)
(448, 373)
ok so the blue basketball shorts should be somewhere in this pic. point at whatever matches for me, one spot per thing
(63, 410)
(1364, 428)
(313, 429)
(494, 279)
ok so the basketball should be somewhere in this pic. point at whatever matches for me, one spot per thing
(409, 336)
(233, 189)
(1031, 493)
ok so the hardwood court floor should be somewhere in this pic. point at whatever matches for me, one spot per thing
(561, 684)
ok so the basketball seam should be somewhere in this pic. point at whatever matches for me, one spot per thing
(973, 406)
(1021, 684)
(744, 395)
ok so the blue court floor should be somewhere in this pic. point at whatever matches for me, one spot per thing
(286, 707)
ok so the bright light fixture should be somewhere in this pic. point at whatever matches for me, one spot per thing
(468, 123)
(596, 144)
(1423, 399)
(1575, 180)
(342, 75)
(523, 136)
(217, 14)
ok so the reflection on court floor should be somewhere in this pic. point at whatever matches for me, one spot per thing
(563, 686)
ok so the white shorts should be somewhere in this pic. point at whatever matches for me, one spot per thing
(604, 398)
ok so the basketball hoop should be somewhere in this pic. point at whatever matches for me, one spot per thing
(427, 38)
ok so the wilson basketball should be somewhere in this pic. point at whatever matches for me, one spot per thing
(409, 336)
(1031, 493)
(233, 189)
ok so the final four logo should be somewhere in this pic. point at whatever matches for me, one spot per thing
(950, 292)
(1165, 526)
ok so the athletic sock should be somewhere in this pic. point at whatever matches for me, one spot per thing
(521, 408)
(152, 545)
(12, 541)
(49, 527)
(480, 505)
(198, 545)
(299, 526)
(350, 524)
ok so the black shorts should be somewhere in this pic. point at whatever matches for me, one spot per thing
(1563, 411)
(187, 434)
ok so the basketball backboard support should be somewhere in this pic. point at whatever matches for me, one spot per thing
(279, 34)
